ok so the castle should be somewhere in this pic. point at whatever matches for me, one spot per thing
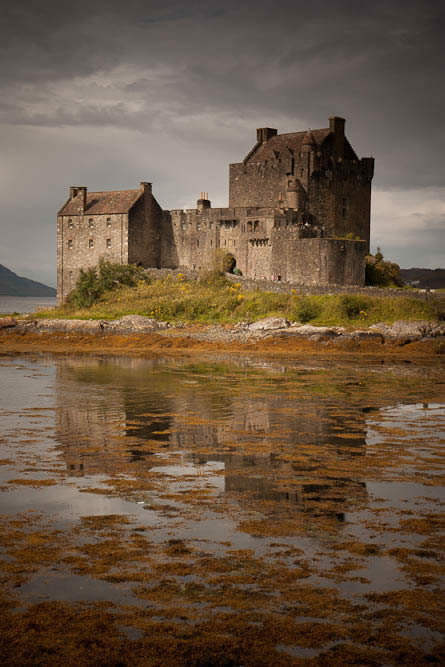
(299, 211)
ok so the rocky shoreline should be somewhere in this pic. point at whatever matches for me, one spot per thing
(138, 333)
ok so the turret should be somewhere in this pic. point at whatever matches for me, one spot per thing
(296, 194)
(308, 144)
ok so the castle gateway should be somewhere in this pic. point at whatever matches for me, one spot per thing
(299, 211)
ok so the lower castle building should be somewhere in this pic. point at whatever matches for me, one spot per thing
(299, 211)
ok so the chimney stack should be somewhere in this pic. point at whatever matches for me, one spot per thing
(203, 201)
(145, 187)
(79, 194)
(264, 134)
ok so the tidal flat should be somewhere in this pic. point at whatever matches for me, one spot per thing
(221, 512)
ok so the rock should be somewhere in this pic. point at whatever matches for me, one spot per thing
(309, 330)
(269, 323)
(68, 325)
(7, 322)
(409, 330)
(363, 334)
(135, 323)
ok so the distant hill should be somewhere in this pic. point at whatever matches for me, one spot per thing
(424, 278)
(13, 285)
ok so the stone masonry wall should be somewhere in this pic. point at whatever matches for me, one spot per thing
(144, 232)
(82, 240)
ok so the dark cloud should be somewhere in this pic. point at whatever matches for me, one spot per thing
(185, 85)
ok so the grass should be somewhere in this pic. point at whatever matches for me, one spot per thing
(175, 299)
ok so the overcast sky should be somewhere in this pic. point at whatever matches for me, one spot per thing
(106, 94)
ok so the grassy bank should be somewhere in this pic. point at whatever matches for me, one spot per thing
(175, 299)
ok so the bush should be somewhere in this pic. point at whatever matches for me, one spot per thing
(352, 306)
(307, 310)
(213, 278)
(380, 273)
(222, 261)
(94, 282)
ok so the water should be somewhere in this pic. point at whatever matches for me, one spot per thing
(260, 511)
(25, 304)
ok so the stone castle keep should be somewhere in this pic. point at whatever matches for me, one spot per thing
(299, 211)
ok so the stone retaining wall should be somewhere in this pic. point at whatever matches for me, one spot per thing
(276, 286)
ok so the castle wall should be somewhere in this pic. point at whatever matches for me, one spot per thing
(144, 232)
(82, 240)
(256, 184)
(318, 261)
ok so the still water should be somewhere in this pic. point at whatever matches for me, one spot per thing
(222, 513)
(25, 304)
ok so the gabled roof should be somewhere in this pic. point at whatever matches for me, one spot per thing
(116, 201)
(292, 140)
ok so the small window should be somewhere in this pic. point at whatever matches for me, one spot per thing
(70, 224)
(234, 242)
(90, 243)
(108, 243)
(211, 224)
(198, 226)
(225, 242)
(197, 243)
(70, 243)
(70, 275)
(91, 223)
(184, 226)
(243, 227)
(108, 222)
(211, 242)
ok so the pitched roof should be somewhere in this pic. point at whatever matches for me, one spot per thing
(116, 201)
(292, 140)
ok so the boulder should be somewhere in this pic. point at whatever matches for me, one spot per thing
(135, 323)
(409, 330)
(7, 322)
(83, 326)
(309, 330)
(269, 323)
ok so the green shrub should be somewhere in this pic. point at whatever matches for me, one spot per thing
(213, 278)
(353, 305)
(94, 282)
(307, 310)
(222, 261)
(380, 273)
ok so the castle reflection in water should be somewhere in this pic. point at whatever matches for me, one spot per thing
(275, 438)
